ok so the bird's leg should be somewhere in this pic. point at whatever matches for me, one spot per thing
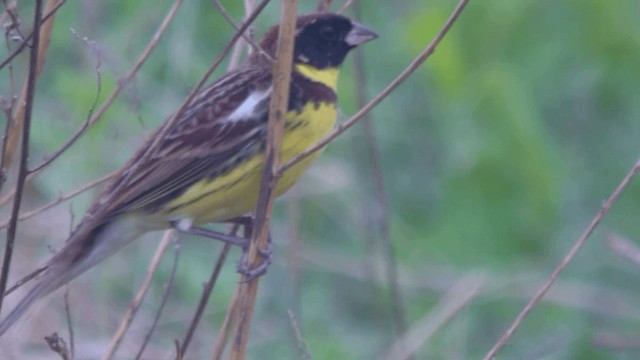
(242, 242)
(186, 227)
(251, 273)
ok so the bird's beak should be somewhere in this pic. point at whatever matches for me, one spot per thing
(359, 35)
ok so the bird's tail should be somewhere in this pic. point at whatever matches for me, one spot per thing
(83, 250)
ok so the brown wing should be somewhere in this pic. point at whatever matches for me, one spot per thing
(202, 143)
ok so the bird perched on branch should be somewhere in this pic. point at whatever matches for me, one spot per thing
(207, 166)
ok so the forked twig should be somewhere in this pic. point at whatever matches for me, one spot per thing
(577, 245)
(61, 199)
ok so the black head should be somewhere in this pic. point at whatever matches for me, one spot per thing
(322, 40)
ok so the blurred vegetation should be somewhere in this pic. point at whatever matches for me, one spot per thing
(495, 155)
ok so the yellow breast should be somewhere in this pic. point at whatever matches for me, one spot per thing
(236, 192)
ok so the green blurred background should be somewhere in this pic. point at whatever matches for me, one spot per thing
(494, 156)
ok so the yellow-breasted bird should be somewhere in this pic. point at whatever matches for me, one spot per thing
(208, 165)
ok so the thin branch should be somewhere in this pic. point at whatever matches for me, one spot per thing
(137, 300)
(24, 43)
(577, 245)
(121, 85)
(41, 45)
(62, 199)
(67, 312)
(206, 293)
(450, 304)
(424, 55)
(165, 296)
(245, 36)
(303, 348)
(379, 214)
(52, 157)
(277, 112)
(24, 156)
(24, 280)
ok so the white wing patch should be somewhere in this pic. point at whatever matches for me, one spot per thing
(247, 109)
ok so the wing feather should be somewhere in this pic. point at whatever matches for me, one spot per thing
(201, 144)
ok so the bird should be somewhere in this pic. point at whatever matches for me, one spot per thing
(206, 166)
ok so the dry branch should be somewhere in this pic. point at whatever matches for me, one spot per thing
(105, 105)
(577, 245)
(24, 155)
(248, 288)
(42, 44)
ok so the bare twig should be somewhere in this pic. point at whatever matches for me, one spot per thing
(206, 293)
(52, 157)
(67, 312)
(303, 348)
(384, 93)
(24, 156)
(577, 245)
(451, 303)
(277, 112)
(623, 247)
(379, 217)
(24, 280)
(61, 199)
(41, 45)
(245, 36)
(121, 85)
(137, 300)
(163, 301)
(23, 44)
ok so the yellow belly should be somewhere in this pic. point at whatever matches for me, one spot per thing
(236, 192)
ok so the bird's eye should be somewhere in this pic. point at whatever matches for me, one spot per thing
(328, 33)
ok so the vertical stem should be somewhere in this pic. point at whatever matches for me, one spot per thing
(24, 156)
(277, 113)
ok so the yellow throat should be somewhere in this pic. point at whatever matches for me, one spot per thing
(328, 76)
